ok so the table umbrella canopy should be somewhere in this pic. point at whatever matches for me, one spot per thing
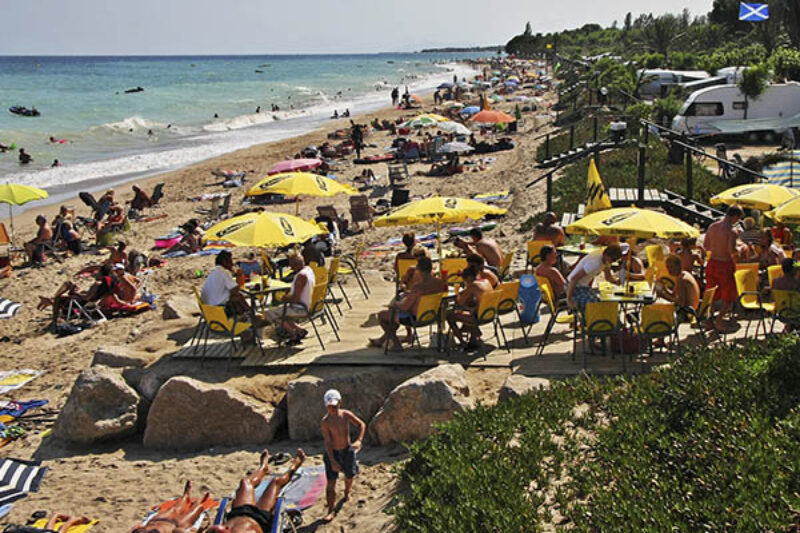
(14, 194)
(297, 183)
(437, 209)
(761, 196)
(294, 165)
(455, 148)
(492, 117)
(424, 121)
(632, 222)
(787, 212)
(470, 110)
(453, 127)
(264, 229)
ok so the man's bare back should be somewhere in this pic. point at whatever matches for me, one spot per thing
(490, 251)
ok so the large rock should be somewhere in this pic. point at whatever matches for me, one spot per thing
(414, 405)
(179, 306)
(190, 415)
(118, 357)
(516, 385)
(363, 393)
(101, 406)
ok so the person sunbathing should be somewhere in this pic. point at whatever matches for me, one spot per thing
(248, 515)
(68, 291)
(66, 523)
(127, 286)
(177, 518)
(141, 200)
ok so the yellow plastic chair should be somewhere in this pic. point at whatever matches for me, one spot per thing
(214, 319)
(535, 252)
(655, 254)
(505, 266)
(774, 272)
(657, 321)
(787, 309)
(318, 310)
(401, 267)
(453, 266)
(704, 311)
(556, 316)
(750, 298)
(747, 266)
(333, 278)
(600, 320)
(350, 267)
(487, 313)
(658, 272)
(428, 314)
(509, 304)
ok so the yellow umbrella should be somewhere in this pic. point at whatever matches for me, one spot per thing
(632, 222)
(787, 212)
(14, 194)
(297, 183)
(263, 229)
(437, 210)
(761, 196)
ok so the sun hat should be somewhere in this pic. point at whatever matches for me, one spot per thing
(332, 397)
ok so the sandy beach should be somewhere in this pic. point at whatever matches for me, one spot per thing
(117, 483)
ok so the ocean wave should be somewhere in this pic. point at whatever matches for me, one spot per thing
(240, 121)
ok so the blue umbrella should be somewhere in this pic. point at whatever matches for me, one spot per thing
(511, 83)
(471, 110)
(445, 85)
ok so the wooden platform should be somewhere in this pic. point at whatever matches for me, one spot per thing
(623, 197)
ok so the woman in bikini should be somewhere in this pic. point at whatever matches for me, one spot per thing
(177, 518)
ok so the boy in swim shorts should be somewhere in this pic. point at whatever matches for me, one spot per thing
(340, 453)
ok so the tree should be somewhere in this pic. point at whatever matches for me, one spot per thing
(726, 12)
(754, 82)
(785, 62)
(788, 14)
(526, 44)
(528, 30)
(663, 33)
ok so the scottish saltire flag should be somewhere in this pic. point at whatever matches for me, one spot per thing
(753, 12)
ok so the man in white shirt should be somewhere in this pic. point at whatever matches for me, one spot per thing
(579, 291)
(297, 303)
(222, 290)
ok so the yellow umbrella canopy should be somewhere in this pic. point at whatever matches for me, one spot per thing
(787, 212)
(632, 222)
(437, 209)
(14, 194)
(263, 229)
(297, 183)
(761, 196)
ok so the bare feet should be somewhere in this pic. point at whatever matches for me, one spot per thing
(328, 517)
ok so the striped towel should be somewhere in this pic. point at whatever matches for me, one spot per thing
(8, 308)
(18, 478)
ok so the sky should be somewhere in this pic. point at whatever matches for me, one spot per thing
(119, 27)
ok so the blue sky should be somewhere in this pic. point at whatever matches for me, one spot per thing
(294, 26)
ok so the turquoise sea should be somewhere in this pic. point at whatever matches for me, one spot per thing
(82, 100)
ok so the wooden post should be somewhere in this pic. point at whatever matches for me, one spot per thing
(640, 182)
(550, 191)
(572, 137)
(689, 177)
(547, 146)
(589, 88)
(595, 126)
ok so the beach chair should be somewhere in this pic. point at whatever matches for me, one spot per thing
(505, 267)
(703, 313)
(156, 210)
(400, 197)
(77, 311)
(750, 298)
(787, 309)
(333, 277)
(509, 305)
(559, 313)
(774, 272)
(318, 310)
(321, 276)
(655, 254)
(360, 210)
(428, 314)
(349, 266)
(434, 155)
(657, 321)
(535, 252)
(453, 266)
(214, 319)
(329, 212)
(401, 267)
(487, 313)
(398, 173)
(600, 320)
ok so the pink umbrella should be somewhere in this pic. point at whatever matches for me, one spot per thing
(294, 165)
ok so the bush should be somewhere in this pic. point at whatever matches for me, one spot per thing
(785, 62)
(710, 444)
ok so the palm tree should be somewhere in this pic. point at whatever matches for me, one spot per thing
(788, 13)
(663, 33)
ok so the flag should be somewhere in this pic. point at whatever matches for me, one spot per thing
(753, 12)
(597, 197)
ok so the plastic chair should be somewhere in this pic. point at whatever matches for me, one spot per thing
(787, 309)
(556, 310)
(704, 311)
(655, 254)
(453, 266)
(401, 267)
(657, 321)
(774, 272)
(214, 319)
(318, 309)
(658, 272)
(505, 266)
(535, 252)
(750, 298)
(321, 276)
(349, 267)
(509, 303)
(600, 320)
(428, 314)
(487, 314)
(333, 277)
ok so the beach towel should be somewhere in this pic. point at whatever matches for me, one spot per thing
(167, 241)
(8, 308)
(490, 197)
(302, 491)
(74, 529)
(18, 478)
(182, 253)
(14, 379)
(11, 411)
(210, 504)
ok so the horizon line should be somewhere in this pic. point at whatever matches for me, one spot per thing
(245, 54)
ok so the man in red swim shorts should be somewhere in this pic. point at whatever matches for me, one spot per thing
(720, 241)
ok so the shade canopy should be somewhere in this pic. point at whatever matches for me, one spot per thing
(788, 212)
(297, 183)
(437, 209)
(761, 196)
(294, 165)
(455, 148)
(14, 194)
(632, 222)
(453, 127)
(424, 121)
(265, 230)
(492, 117)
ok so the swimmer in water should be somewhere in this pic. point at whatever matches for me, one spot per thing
(56, 163)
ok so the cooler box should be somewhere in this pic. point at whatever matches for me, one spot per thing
(530, 296)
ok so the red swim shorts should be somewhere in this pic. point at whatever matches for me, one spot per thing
(720, 273)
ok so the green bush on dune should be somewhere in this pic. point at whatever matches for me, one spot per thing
(710, 444)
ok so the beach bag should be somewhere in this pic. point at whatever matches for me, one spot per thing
(67, 329)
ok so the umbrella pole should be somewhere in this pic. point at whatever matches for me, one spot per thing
(297, 206)
(439, 241)
(11, 219)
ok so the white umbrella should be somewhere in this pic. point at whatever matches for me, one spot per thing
(455, 148)
(453, 127)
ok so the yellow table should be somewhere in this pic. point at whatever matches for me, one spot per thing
(260, 289)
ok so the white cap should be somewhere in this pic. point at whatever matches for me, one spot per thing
(332, 397)
(119, 266)
(625, 247)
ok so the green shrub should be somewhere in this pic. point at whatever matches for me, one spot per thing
(785, 62)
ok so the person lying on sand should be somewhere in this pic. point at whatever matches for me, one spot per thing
(178, 518)
(67, 522)
(248, 515)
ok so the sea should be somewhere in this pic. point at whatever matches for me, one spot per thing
(191, 108)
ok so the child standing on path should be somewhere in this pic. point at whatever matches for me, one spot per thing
(340, 453)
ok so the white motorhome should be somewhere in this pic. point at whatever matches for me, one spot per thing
(721, 109)
(654, 79)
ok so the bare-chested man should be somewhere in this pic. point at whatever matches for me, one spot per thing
(686, 293)
(720, 240)
(548, 230)
(340, 453)
(405, 309)
(483, 246)
(34, 248)
(466, 309)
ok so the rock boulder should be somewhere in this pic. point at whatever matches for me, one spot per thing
(179, 306)
(516, 385)
(191, 415)
(118, 357)
(101, 406)
(414, 405)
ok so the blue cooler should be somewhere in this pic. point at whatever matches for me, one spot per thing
(530, 296)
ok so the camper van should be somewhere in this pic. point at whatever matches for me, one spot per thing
(655, 79)
(721, 110)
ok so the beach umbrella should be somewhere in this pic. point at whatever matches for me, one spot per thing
(423, 121)
(788, 212)
(761, 196)
(511, 83)
(632, 222)
(14, 194)
(492, 117)
(297, 183)
(263, 229)
(451, 104)
(294, 165)
(437, 210)
(453, 127)
(455, 148)
(470, 110)
(445, 85)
